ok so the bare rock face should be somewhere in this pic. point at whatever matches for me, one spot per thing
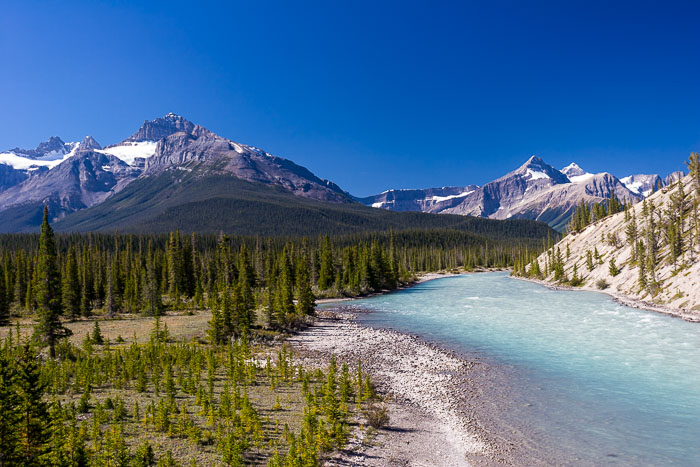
(89, 143)
(54, 147)
(205, 153)
(9, 176)
(155, 130)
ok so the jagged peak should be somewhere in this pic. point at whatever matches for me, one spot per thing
(535, 168)
(573, 170)
(162, 127)
(89, 143)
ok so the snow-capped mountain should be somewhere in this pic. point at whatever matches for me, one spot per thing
(74, 176)
(171, 151)
(575, 173)
(418, 200)
(17, 165)
(642, 184)
(535, 190)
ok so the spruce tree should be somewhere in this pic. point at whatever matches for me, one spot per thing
(32, 427)
(9, 413)
(110, 305)
(152, 302)
(48, 290)
(70, 287)
(612, 268)
(4, 302)
(327, 271)
(305, 298)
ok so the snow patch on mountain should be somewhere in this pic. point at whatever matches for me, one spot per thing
(130, 151)
(440, 199)
(536, 175)
(50, 160)
(581, 178)
(576, 174)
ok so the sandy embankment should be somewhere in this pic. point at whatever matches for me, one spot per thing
(428, 387)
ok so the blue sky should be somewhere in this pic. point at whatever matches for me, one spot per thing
(372, 95)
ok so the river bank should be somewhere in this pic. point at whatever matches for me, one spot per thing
(432, 422)
(425, 387)
(622, 299)
(429, 276)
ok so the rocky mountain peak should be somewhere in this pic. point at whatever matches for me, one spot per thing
(537, 169)
(54, 143)
(52, 148)
(162, 127)
(573, 170)
(89, 143)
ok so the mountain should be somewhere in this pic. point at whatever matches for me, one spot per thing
(418, 200)
(673, 285)
(643, 184)
(73, 177)
(535, 190)
(17, 165)
(83, 180)
(212, 203)
(173, 174)
(170, 162)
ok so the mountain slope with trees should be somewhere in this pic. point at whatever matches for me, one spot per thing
(648, 251)
(212, 203)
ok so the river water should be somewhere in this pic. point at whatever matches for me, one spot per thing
(590, 381)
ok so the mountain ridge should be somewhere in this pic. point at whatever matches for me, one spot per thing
(535, 190)
(71, 177)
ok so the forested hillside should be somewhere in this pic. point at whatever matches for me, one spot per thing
(217, 203)
(648, 251)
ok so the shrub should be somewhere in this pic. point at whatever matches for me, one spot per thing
(376, 415)
(602, 284)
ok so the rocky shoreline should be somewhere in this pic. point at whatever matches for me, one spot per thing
(430, 395)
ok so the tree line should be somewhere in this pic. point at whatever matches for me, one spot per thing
(245, 281)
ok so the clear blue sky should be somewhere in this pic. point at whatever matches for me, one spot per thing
(372, 95)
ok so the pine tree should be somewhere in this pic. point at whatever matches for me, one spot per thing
(110, 305)
(694, 169)
(612, 268)
(96, 337)
(71, 287)
(9, 414)
(327, 272)
(305, 298)
(48, 292)
(4, 303)
(589, 260)
(152, 302)
(284, 301)
(245, 298)
(33, 411)
(632, 233)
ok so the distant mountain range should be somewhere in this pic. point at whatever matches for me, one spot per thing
(535, 190)
(172, 173)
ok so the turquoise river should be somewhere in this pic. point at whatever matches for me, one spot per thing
(590, 381)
